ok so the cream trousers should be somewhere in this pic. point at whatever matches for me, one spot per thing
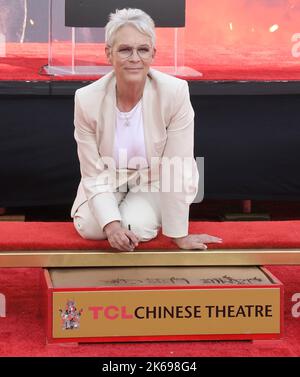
(139, 209)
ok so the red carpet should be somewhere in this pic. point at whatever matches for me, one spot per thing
(22, 332)
(235, 40)
(62, 235)
(24, 62)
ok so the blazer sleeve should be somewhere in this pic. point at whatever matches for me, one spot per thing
(178, 169)
(95, 175)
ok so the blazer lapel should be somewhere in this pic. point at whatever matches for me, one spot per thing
(154, 125)
(147, 106)
(107, 118)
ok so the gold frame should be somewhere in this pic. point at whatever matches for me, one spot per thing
(101, 258)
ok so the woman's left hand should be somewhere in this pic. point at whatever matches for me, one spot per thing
(196, 241)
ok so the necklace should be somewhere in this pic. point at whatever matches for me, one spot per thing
(126, 116)
(127, 123)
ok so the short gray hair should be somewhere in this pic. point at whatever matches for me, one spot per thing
(129, 16)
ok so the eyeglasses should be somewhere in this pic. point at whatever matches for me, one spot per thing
(126, 52)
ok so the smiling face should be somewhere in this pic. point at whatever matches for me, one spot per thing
(132, 69)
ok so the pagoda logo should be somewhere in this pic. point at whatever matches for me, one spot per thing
(70, 316)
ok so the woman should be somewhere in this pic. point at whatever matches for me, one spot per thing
(131, 126)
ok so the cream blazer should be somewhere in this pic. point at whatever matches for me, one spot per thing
(168, 119)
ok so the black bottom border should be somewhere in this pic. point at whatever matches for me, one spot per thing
(148, 366)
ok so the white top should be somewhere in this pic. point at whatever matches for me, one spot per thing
(129, 146)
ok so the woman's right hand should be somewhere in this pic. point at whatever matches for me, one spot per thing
(120, 238)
